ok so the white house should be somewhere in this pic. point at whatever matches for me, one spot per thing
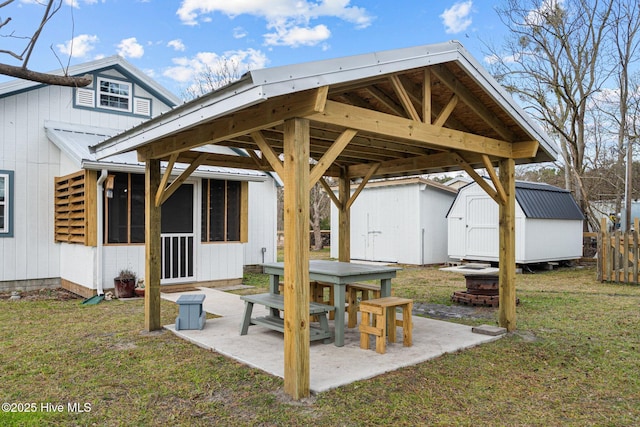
(400, 220)
(549, 224)
(67, 219)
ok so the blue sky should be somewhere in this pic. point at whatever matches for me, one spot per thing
(172, 40)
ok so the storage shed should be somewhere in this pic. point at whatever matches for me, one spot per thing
(549, 224)
(379, 233)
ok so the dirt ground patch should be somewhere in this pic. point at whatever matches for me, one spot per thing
(447, 312)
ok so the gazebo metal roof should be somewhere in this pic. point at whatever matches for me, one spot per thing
(383, 87)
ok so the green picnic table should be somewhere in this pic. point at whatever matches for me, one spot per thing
(339, 274)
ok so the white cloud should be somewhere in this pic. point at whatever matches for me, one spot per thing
(297, 36)
(239, 33)
(79, 46)
(186, 69)
(75, 3)
(289, 18)
(536, 16)
(457, 18)
(507, 59)
(130, 48)
(177, 45)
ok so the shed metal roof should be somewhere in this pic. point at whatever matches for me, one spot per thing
(539, 200)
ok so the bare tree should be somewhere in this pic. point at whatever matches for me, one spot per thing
(212, 77)
(318, 210)
(51, 7)
(626, 24)
(553, 61)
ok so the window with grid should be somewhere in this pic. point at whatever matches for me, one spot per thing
(5, 203)
(114, 94)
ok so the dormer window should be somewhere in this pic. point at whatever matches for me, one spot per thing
(114, 94)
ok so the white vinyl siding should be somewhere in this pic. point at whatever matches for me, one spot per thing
(397, 221)
(473, 225)
(34, 161)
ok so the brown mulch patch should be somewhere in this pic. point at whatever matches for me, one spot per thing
(58, 294)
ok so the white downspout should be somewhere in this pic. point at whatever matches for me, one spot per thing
(100, 231)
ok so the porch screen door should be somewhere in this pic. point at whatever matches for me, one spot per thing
(177, 237)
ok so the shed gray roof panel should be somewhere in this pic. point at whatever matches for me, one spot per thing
(545, 201)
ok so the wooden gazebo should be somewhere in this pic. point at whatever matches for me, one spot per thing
(402, 112)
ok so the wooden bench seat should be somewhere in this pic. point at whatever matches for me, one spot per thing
(275, 302)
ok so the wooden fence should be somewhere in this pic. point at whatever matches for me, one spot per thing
(618, 254)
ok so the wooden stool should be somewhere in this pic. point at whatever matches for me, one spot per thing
(382, 312)
(367, 292)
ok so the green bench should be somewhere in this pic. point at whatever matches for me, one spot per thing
(275, 302)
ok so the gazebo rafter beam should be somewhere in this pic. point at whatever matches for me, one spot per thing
(426, 97)
(445, 76)
(410, 165)
(268, 153)
(494, 178)
(165, 193)
(330, 156)
(446, 111)
(386, 100)
(267, 114)
(404, 97)
(422, 134)
(477, 178)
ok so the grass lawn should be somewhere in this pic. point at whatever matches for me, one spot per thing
(573, 361)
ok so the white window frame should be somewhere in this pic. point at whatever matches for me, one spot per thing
(128, 97)
(5, 229)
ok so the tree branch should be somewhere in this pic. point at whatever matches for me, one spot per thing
(51, 79)
(48, 14)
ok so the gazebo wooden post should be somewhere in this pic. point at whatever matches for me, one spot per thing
(507, 256)
(152, 246)
(296, 258)
(344, 220)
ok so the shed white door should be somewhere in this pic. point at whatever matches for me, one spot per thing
(482, 227)
(178, 237)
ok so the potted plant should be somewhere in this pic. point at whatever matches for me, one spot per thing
(125, 283)
(139, 290)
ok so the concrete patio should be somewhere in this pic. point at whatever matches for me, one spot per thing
(331, 366)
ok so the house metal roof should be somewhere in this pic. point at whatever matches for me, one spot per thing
(74, 141)
(382, 94)
(115, 61)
